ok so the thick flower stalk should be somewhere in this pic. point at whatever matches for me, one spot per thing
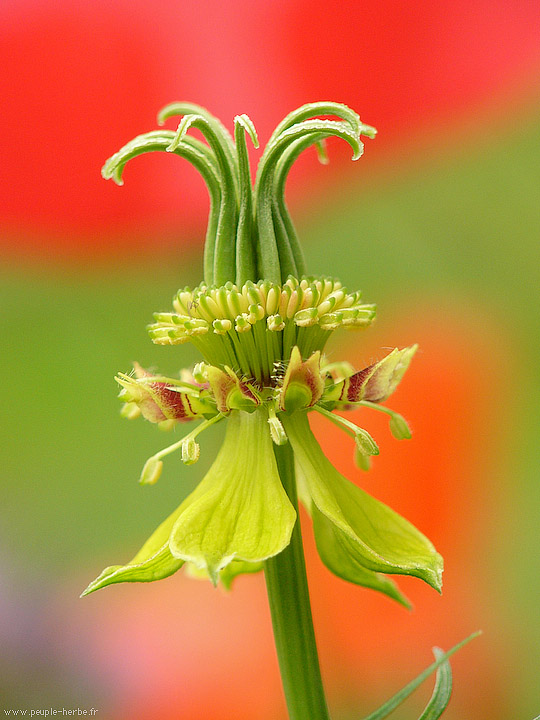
(261, 325)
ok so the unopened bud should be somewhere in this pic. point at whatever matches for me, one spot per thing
(256, 312)
(330, 320)
(399, 427)
(242, 323)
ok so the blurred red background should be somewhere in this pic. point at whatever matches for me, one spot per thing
(78, 80)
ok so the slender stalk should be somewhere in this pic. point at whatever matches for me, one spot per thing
(290, 609)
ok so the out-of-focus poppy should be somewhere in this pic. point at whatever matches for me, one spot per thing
(80, 79)
(443, 480)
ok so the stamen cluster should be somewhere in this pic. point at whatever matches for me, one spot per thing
(276, 318)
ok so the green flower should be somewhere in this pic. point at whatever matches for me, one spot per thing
(261, 325)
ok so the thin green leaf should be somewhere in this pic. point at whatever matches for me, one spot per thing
(322, 154)
(441, 692)
(287, 259)
(196, 152)
(247, 123)
(325, 128)
(404, 693)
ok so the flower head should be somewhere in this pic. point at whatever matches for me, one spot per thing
(261, 325)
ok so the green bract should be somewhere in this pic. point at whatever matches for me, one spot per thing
(261, 325)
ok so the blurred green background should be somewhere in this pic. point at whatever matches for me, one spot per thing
(443, 233)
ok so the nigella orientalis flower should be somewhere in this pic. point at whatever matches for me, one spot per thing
(261, 324)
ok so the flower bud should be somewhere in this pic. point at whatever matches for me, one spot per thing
(387, 374)
(222, 326)
(377, 382)
(156, 399)
(242, 323)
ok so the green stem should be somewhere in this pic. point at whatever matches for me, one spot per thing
(290, 609)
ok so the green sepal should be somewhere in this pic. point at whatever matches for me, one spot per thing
(382, 539)
(240, 510)
(296, 397)
(153, 561)
(340, 555)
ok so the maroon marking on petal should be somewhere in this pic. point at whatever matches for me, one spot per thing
(357, 381)
(247, 392)
(314, 385)
(175, 405)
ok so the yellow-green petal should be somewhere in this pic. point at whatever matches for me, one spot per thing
(340, 555)
(240, 510)
(382, 539)
(153, 561)
(236, 568)
(229, 573)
